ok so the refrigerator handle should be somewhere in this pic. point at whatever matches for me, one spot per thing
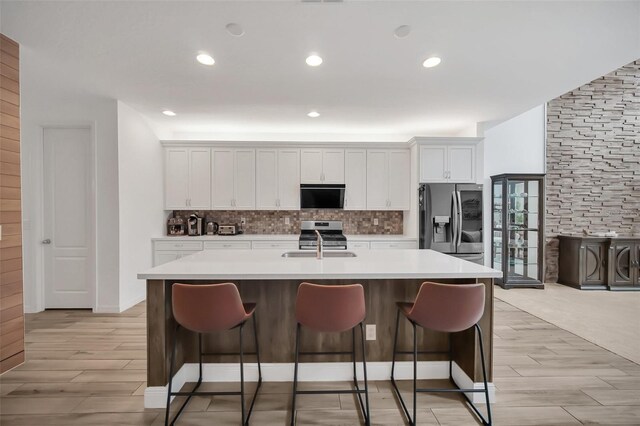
(454, 219)
(459, 218)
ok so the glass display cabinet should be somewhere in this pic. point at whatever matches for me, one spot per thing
(517, 225)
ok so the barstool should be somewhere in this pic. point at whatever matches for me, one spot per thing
(211, 308)
(448, 308)
(332, 309)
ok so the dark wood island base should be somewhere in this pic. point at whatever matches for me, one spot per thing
(276, 327)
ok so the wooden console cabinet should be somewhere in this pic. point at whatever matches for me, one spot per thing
(599, 263)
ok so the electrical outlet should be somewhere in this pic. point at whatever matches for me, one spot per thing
(243, 221)
(287, 221)
(371, 332)
(375, 221)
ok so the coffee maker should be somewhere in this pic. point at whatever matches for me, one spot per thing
(194, 225)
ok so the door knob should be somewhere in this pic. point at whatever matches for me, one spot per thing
(47, 241)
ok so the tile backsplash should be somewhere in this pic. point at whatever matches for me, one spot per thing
(273, 221)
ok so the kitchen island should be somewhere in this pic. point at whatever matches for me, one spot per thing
(271, 280)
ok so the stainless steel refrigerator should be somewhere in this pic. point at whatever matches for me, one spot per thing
(451, 219)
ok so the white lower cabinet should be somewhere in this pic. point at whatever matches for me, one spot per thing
(358, 245)
(394, 245)
(282, 245)
(166, 256)
(221, 245)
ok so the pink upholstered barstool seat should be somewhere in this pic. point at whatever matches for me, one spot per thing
(447, 308)
(209, 308)
(330, 308)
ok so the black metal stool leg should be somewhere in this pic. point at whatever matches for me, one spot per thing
(415, 374)
(450, 358)
(173, 357)
(242, 376)
(395, 346)
(364, 369)
(484, 375)
(295, 376)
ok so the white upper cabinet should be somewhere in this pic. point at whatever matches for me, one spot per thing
(388, 179)
(448, 163)
(245, 179)
(200, 178)
(377, 179)
(187, 178)
(322, 165)
(399, 179)
(289, 179)
(278, 179)
(433, 164)
(355, 179)
(462, 162)
(234, 179)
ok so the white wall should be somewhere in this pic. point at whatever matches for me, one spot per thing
(44, 103)
(514, 146)
(140, 160)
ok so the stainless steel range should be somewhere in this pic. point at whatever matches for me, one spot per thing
(330, 230)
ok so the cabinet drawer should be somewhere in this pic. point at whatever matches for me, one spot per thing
(284, 245)
(178, 245)
(213, 245)
(358, 245)
(393, 244)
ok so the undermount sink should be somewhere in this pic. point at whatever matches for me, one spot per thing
(312, 253)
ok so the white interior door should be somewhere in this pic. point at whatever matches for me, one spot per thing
(68, 226)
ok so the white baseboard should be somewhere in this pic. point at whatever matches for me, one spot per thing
(133, 302)
(156, 396)
(107, 309)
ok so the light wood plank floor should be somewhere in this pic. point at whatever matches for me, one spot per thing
(87, 369)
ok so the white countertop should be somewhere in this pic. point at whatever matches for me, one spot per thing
(281, 237)
(270, 265)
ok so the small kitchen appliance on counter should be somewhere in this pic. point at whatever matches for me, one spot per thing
(229, 229)
(211, 227)
(330, 231)
(176, 227)
(194, 225)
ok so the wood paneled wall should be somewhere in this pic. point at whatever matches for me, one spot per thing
(11, 299)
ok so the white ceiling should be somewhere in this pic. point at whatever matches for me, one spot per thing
(498, 59)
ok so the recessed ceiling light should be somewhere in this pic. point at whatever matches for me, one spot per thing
(169, 113)
(314, 114)
(234, 29)
(431, 62)
(314, 60)
(402, 31)
(205, 59)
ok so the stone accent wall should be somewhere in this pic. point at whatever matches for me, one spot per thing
(593, 160)
(273, 221)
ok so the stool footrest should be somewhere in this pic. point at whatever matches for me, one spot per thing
(326, 392)
(421, 352)
(450, 390)
(227, 353)
(204, 393)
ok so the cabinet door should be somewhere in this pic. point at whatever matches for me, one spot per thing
(223, 179)
(162, 257)
(355, 179)
(176, 179)
(462, 161)
(333, 166)
(266, 179)
(200, 178)
(377, 180)
(594, 264)
(289, 179)
(399, 179)
(433, 164)
(621, 263)
(245, 179)
(311, 166)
